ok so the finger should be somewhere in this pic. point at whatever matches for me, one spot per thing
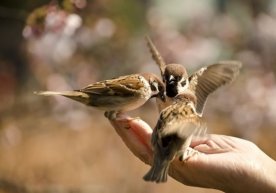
(136, 134)
(207, 140)
(212, 144)
(142, 130)
(206, 149)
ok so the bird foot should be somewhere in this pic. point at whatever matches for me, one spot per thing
(184, 155)
(125, 123)
(111, 115)
(120, 119)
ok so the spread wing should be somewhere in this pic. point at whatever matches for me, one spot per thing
(121, 86)
(156, 55)
(208, 79)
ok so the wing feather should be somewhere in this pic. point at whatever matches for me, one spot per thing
(156, 56)
(183, 128)
(208, 79)
(121, 86)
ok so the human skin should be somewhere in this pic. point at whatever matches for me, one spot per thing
(226, 163)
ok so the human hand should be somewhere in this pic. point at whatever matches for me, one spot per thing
(225, 163)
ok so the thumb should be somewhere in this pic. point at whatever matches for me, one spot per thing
(136, 134)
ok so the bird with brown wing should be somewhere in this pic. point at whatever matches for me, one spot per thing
(121, 94)
(202, 82)
(181, 114)
(172, 135)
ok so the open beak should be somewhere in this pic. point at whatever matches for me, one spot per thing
(171, 88)
(171, 80)
(171, 83)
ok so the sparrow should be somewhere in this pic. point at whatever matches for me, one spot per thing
(172, 135)
(181, 113)
(121, 94)
(202, 82)
(174, 75)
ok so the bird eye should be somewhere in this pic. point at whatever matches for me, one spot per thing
(167, 78)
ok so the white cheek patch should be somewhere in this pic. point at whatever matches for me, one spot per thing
(155, 85)
(181, 88)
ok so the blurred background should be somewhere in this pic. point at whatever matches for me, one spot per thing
(56, 145)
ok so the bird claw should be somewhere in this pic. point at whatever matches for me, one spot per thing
(120, 120)
(111, 115)
(184, 155)
(134, 118)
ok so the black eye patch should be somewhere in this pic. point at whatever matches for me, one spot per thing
(153, 87)
(160, 88)
(183, 83)
(178, 78)
(167, 77)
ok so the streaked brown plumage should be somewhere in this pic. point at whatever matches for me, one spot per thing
(203, 82)
(208, 79)
(180, 117)
(120, 94)
(172, 135)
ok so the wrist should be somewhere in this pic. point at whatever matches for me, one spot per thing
(258, 176)
(270, 176)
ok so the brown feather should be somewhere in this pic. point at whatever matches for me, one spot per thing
(208, 79)
(156, 56)
(124, 86)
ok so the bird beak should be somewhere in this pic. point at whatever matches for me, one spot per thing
(171, 80)
(162, 96)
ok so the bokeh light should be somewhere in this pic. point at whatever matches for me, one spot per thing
(56, 145)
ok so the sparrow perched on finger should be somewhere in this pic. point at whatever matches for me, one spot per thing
(172, 135)
(202, 83)
(121, 94)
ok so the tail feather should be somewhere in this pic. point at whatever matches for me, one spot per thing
(158, 173)
(75, 95)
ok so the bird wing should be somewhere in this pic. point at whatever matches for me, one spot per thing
(177, 119)
(189, 126)
(156, 55)
(208, 79)
(122, 86)
(183, 128)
